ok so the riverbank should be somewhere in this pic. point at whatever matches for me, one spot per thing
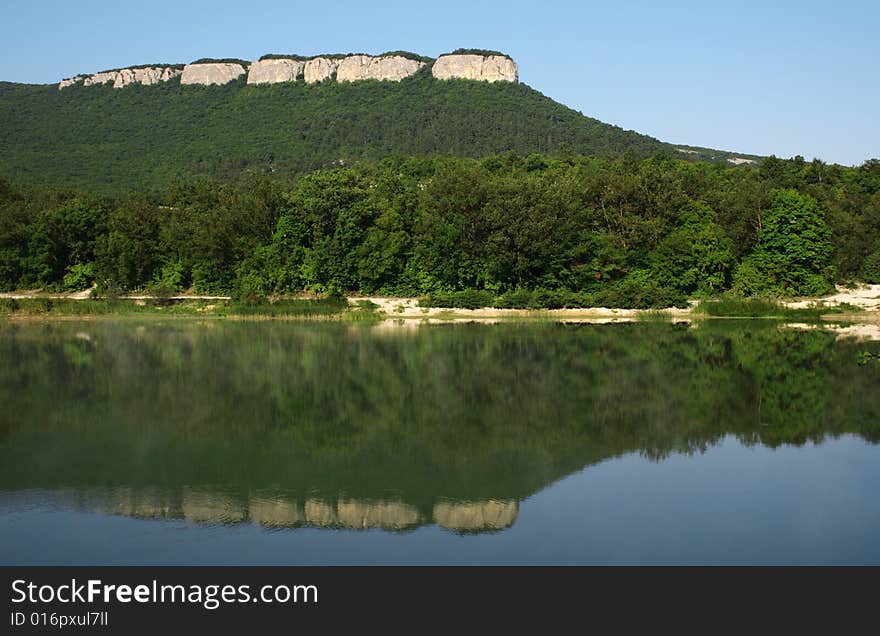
(860, 304)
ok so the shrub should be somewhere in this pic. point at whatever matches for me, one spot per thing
(79, 276)
(515, 299)
(467, 299)
(171, 276)
(161, 290)
(639, 291)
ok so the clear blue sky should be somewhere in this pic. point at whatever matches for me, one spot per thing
(785, 77)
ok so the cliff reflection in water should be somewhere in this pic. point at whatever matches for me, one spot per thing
(325, 425)
(207, 507)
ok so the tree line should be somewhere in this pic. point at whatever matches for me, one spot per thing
(519, 230)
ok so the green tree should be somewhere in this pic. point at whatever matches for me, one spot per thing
(64, 236)
(129, 254)
(13, 236)
(329, 213)
(450, 230)
(696, 257)
(793, 253)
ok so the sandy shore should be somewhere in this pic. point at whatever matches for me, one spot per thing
(865, 297)
(407, 310)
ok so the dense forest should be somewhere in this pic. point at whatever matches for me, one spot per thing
(510, 230)
(106, 140)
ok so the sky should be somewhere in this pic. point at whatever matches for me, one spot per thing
(764, 77)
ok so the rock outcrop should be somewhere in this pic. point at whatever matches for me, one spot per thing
(487, 68)
(319, 69)
(392, 68)
(124, 77)
(353, 68)
(148, 75)
(100, 78)
(208, 73)
(70, 81)
(275, 71)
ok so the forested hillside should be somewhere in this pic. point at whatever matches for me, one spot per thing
(144, 137)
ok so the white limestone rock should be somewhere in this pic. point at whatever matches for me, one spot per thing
(275, 71)
(392, 68)
(487, 68)
(211, 73)
(499, 68)
(100, 78)
(318, 69)
(124, 77)
(148, 76)
(70, 81)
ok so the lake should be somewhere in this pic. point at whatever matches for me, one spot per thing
(136, 441)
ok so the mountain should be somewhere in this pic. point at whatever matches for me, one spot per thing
(145, 136)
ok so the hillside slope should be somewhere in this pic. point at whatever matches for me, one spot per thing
(146, 136)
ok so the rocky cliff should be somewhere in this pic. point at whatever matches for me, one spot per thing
(147, 75)
(275, 71)
(319, 69)
(100, 78)
(211, 73)
(71, 81)
(351, 68)
(124, 77)
(487, 68)
(391, 68)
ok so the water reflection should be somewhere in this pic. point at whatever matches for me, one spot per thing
(291, 425)
(212, 508)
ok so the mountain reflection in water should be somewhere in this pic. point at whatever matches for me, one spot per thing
(295, 425)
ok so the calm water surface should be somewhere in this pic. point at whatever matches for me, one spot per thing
(183, 442)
